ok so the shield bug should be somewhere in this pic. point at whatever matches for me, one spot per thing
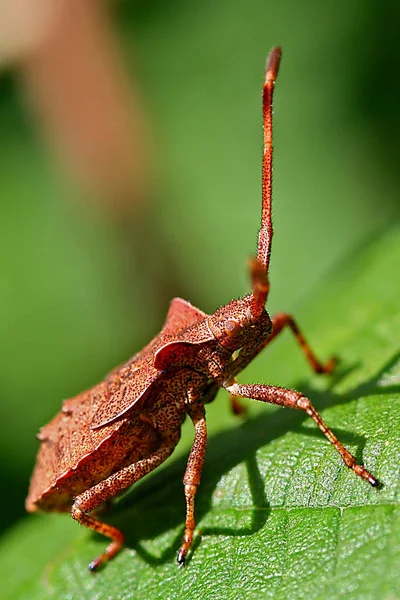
(110, 436)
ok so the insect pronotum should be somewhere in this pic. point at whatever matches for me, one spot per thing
(110, 436)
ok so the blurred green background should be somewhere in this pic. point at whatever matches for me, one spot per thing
(77, 295)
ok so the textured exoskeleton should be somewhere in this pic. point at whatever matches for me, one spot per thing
(110, 436)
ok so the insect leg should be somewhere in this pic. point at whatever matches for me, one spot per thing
(294, 399)
(236, 406)
(96, 495)
(279, 322)
(282, 320)
(191, 479)
(109, 531)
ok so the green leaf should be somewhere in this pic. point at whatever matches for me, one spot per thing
(279, 516)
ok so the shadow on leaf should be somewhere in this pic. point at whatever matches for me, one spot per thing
(156, 505)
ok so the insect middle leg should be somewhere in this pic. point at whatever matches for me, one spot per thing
(192, 476)
(103, 491)
(294, 399)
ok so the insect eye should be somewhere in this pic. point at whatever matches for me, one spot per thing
(232, 328)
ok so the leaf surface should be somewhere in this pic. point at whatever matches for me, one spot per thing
(279, 516)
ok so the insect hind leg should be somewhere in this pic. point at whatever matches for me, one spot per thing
(109, 531)
(103, 491)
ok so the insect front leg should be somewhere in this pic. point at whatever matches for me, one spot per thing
(294, 399)
(192, 476)
(279, 322)
(282, 320)
(103, 491)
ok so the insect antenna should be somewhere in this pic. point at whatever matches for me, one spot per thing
(259, 266)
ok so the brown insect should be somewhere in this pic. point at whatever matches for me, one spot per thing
(110, 436)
